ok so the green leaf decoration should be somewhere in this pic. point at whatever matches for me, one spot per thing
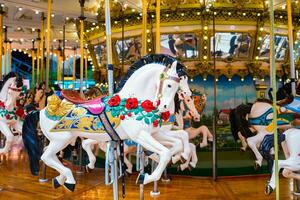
(136, 111)
(139, 118)
(150, 114)
(153, 118)
(146, 120)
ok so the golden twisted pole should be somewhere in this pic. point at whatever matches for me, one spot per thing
(42, 75)
(144, 27)
(157, 23)
(48, 42)
(273, 85)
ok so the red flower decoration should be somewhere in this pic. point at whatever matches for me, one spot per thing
(20, 113)
(7, 116)
(131, 103)
(122, 117)
(2, 105)
(129, 114)
(165, 115)
(147, 105)
(155, 123)
(114, 101)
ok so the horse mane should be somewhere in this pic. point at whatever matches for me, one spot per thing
(264, 100)
(8, 76)
(177, 103)
(152, 58)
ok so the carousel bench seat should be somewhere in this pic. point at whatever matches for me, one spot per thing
(95, 106)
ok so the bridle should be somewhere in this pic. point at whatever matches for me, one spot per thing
(15, 89)
(164, 76)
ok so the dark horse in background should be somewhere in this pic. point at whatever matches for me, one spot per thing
(248, 124)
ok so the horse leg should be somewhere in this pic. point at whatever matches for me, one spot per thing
(285, 149)
(253, 142)
(87, 146)
(194, 158)
(243, 140)
(50, 159)
(184, 137)
(289, 165)
(147, 141)
(8, 135)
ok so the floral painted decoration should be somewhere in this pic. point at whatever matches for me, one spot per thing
(11, 115)
(140, 110)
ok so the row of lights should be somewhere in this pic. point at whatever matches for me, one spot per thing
(229, 79)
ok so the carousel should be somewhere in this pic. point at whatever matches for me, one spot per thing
(150, 99)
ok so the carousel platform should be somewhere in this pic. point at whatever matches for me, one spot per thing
(18, 183)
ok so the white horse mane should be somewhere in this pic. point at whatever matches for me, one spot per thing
(4, 90)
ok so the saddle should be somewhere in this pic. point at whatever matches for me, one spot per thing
(95, 106)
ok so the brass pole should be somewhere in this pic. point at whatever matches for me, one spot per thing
(42, 75)
(291, 44)
(32, 65)
(109, 49)
(86, 65)
(74, 66)
(5, 50)
(157, 23)
(5, 59)
(58, 68)
(1, 40)
(38, 57)
(273, 86)
(48, 42)
(144, 27)
(81, 55)
(10, 56)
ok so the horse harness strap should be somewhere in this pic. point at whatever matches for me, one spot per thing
(262, 119)
(116, 138)
(108, 127)
(164, 77)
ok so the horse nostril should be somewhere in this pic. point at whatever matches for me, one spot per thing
(165, 106)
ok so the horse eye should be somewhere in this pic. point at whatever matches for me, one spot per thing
(169, 86)
(188, 100)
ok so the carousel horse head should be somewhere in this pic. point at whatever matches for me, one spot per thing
(12, 88)
(200, 102)
(185, 95)
(167, 87)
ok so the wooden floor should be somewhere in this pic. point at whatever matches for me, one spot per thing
(17, 184)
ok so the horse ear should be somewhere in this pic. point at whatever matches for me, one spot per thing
(172, 70)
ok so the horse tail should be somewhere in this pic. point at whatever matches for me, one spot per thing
(233, 125)
(238, 121)
(31, 142)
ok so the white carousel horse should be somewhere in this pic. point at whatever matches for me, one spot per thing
(137, 127)
(253, 122)
(130, 147)
(288, 119)
(9, 115)
(173, 139)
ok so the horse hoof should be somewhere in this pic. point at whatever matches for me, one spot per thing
(140, 179)
(128, 174)
(55, 183)
(183, 160)
(69, 186)
(256, 166)
(88, 169)
(268, 190)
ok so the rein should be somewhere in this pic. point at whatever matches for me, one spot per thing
(15, 89)
(164, 76)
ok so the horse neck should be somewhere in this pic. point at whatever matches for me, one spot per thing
(10, 102)
(143, 83)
